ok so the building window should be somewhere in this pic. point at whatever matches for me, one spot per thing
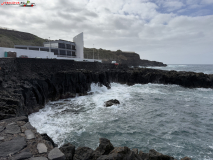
(73, 54)
(73, 47)
(31, 48)
(55, 51)
(44, 49)
(61, 45)
(69, 53)
(62, 52)
(21, 47)
(68, 46)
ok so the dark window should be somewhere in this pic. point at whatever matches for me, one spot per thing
(68, 46)
(55, 51)
(44, 49)
(21, 47)
(62, 52)
(69, 53)
(31, 48)
(73, 47)
(61, 45)
(73, 54)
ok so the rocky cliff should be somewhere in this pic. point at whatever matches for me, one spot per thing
(27, 84)
(128, 58)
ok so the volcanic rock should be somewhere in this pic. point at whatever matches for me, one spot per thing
(105, 146)
(13, 146)
(23, 155)
(69, 151)
(111, 102)
(12, 129)
(84, 153)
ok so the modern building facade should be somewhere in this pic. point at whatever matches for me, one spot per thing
(58, 49)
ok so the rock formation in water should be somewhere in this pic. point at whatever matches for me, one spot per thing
(111, 102)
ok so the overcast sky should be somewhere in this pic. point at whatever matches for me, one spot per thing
(169, 31)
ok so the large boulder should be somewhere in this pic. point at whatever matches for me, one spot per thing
(69, 151)
(120, 153)
(105, 146)
(85, 153)
(154, 155)
(111, 102)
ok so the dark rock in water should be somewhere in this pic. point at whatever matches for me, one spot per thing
(105, 146)
(153, 154)
(23, 155)
(144, 156)
(111, 102)
(85, 153)
(47, 138)
(68, 150)
(120, 153)
(13, 146)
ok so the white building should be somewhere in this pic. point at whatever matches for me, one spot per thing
(59, 49)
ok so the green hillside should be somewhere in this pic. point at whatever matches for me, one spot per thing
(9, 38)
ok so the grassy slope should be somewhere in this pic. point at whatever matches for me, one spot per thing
(9, 38)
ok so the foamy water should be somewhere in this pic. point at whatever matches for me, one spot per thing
(171, 119)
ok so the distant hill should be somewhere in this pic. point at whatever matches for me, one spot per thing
(129, 58)
(9, 38)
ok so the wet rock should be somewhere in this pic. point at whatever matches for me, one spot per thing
(12, 129)
(1, 128)
(47, 138)
(111, 102)
(186, 158)
(144, 156)
(23, 155)
(86, 153)
(135, 150)
(56, 154)
(69, 151)
(120, 153)
(29, 134)
(41, 147)
(153, 154)
(13, 146)
(38, 158)
(105, 146)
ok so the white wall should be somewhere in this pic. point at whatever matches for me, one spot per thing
(79, 45)
(41, 54)
(29, 53)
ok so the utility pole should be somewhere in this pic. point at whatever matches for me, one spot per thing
(93, 52)
(98, 54)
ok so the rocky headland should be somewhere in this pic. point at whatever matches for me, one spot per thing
(26, 85)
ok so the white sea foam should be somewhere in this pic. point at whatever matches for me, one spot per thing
(149, 116)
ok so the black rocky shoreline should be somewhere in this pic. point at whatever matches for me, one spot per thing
(26, 85)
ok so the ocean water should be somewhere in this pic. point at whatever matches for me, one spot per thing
(171, 119)
(207, 68)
